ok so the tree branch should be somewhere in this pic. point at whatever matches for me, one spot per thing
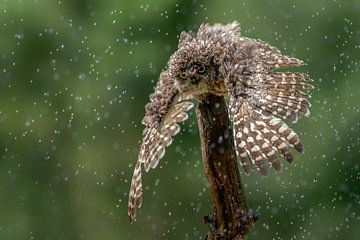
(232, 218)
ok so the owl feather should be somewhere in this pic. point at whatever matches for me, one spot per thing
(165, 110)
(217, 60)
(260, 98)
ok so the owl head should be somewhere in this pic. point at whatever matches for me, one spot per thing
(195, 65)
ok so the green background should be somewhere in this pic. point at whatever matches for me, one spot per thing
(74, 79)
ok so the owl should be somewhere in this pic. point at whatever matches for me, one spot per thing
(217, 60)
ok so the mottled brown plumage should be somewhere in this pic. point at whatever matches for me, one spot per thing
(219, 61)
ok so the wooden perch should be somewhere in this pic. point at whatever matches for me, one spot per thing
(232, 218)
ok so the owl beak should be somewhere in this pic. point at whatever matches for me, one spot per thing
(194, 79)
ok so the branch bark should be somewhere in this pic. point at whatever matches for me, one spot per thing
(232, 218)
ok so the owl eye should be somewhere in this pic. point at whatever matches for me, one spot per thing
(183, 75)
(201, 69)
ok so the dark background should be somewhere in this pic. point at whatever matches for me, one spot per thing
(74, 79)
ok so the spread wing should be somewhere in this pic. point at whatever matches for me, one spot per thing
(162, 114)
(260, 99)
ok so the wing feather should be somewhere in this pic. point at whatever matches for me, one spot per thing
(260, 99)
(165, 110)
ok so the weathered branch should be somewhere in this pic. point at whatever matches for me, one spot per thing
(232, 218)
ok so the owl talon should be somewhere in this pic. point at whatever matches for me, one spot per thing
(210, 221)
(253, 215)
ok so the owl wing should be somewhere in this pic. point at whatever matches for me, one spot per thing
(162, 114)
(260, 99)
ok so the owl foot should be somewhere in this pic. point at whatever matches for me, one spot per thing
(253, 215)
(210, 221)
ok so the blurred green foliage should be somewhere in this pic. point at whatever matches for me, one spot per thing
(75, 76)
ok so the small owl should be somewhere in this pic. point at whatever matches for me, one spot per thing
(217, 60)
